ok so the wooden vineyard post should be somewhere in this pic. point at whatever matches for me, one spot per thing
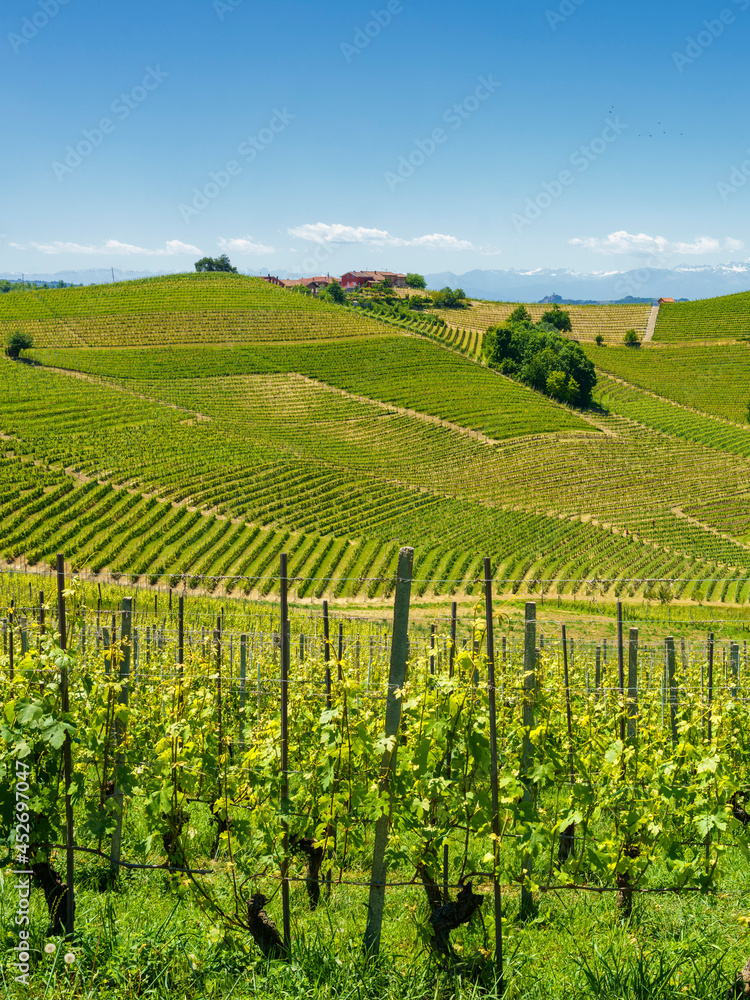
(671, 667)
(283, 588)
(217, 651)
(327, 652)
(432, 650)
(180, 642)
(529, 687)
(396, 680)
(632, 685)
(598, 673)
(124, 661)
(709, 727)
(567, 836)
(243, 675)
(734, 663)
(11, 626)
(498, 899)
(451, 658)
(340, 652)
(621, 670)
(67, 755)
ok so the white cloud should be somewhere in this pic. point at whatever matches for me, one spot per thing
(325, 233)
(439, 241)
(172, 248)
(643, 245)
(244, 244)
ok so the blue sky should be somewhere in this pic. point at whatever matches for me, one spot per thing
(398, 134)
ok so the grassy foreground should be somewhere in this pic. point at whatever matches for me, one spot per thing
(137, 941)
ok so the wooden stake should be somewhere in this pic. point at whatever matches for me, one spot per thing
(396, 680)
(67, 756)
(632, 685)
(621, 670)
(498, 899)
(529, 687)
(283, 586)
(671, 669)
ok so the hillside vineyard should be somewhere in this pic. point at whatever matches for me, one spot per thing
(185, 430)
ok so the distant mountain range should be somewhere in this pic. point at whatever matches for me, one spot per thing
(687, 281)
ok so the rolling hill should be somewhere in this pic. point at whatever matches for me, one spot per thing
(188, 429)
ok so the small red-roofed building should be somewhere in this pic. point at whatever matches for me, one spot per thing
(365, 279)
(663, 301)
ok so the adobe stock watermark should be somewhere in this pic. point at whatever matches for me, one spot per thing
(224, 7)
(366, 35)
(636, 280)
(22, 872)
(31, 26)
(697, 44)
(582, 158)
(455, 117)
(563, 13)
(320, 255)
(249, 149)
(122, 108)
(738, 178)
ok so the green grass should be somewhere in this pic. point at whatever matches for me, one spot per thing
(136, 942)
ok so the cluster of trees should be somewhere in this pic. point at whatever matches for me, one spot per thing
(215, 264)
(449, 298)
(18, 341)
(21, 286)
(538, 355)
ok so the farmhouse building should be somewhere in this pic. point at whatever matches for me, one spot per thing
(662, 301)
(313, 284)
(364, 279)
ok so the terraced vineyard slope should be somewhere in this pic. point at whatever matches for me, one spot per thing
(180, 450)
(588, 321)
(727, 317)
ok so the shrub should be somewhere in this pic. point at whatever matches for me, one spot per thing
(520, 315)
(17, 342)
(557, 318)
(599, 339)
(631, 339)
(533, 354)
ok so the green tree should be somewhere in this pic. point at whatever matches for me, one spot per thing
(520, 315)
(533, 353)
(17, 342)
(415, 281)
(558, 318)
(335, 293)
(631, 339)
(599, 338)
(215, 264)
(562, 387)
(449, 298)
